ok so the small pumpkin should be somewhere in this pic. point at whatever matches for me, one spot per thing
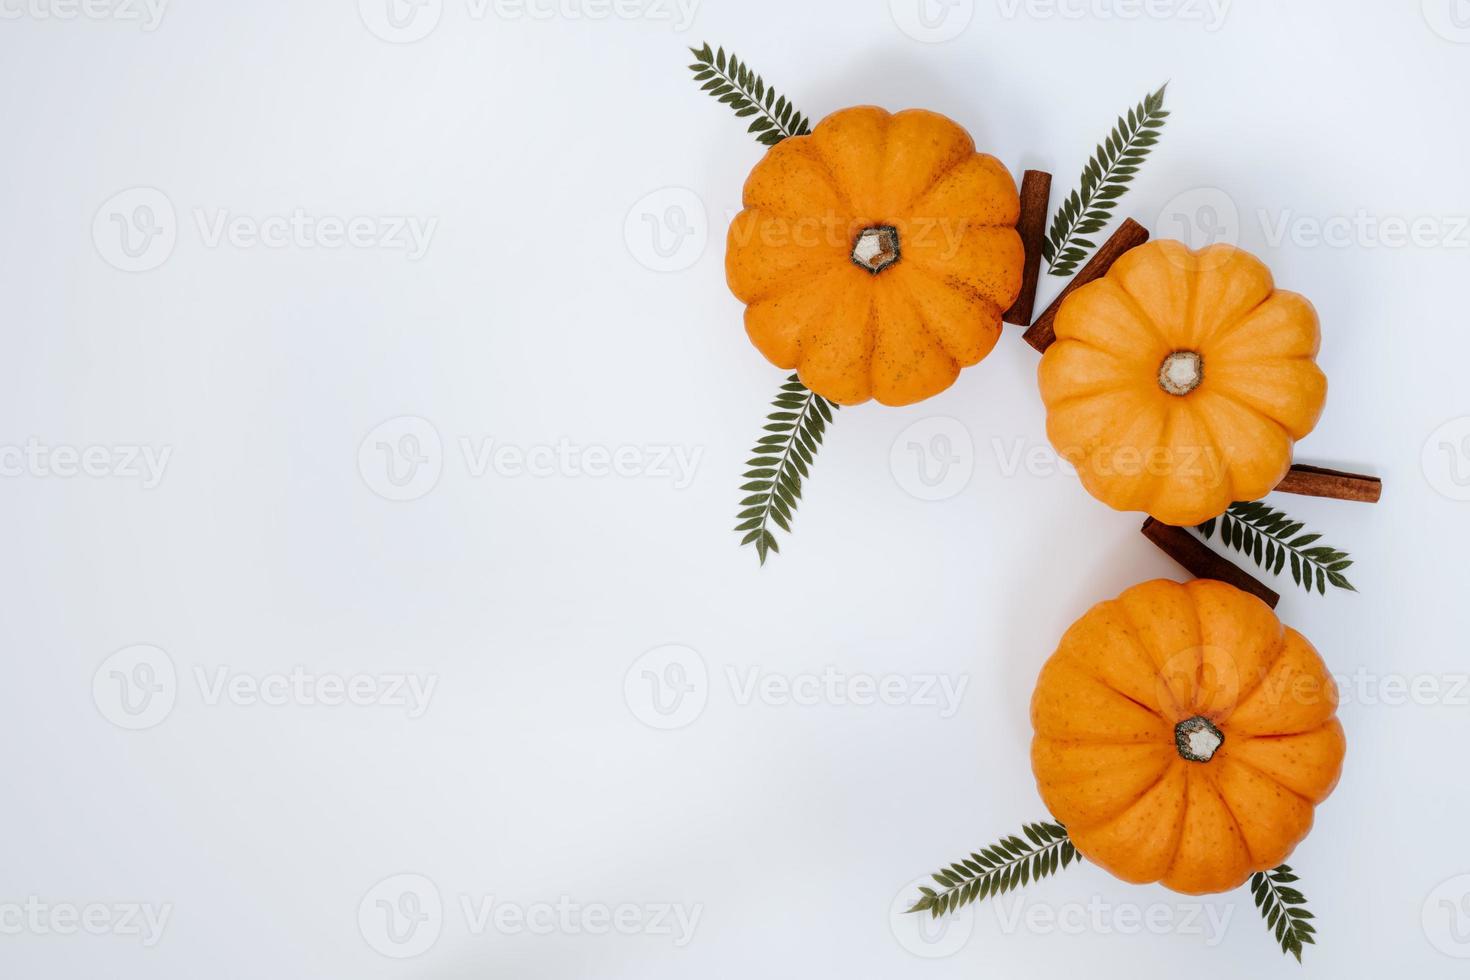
(1184, 736)
(876, 255)
(1180, 381)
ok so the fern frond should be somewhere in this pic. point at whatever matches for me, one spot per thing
(1282, 908)
(731, 81)
(1009, 863)
(1105, 178)
(779, 462)
(1269, 537)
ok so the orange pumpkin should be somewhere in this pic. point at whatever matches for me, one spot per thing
(1183, 736)
(876, 255)
(1180, 381)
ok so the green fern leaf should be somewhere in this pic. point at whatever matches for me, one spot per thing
(1008, 864)
(729, 80)
(1269, 538)
(779, 462)
(1283, 908)
(1105, 178)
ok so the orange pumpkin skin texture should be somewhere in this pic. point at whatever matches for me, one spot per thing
(1108, 710)
(950, 262)
(1180, 381)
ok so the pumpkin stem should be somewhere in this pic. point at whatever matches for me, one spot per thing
(1197, 739)
(876, 248)
(1181, 372)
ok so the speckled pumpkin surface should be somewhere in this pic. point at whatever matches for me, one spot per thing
(876, 255)
(1184, 736)
(1180, 381)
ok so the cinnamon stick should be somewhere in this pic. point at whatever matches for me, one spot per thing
(1035, 200)
(1198, 559)
(1129, 235)
(1318, 481)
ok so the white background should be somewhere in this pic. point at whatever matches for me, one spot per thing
(534, 320)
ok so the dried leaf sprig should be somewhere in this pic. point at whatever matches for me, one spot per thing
(1283, 909)
(780, 462)
(731, 81)
(1009, 863)
(1105, 178)
(1269, 537)
(1012, 863)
